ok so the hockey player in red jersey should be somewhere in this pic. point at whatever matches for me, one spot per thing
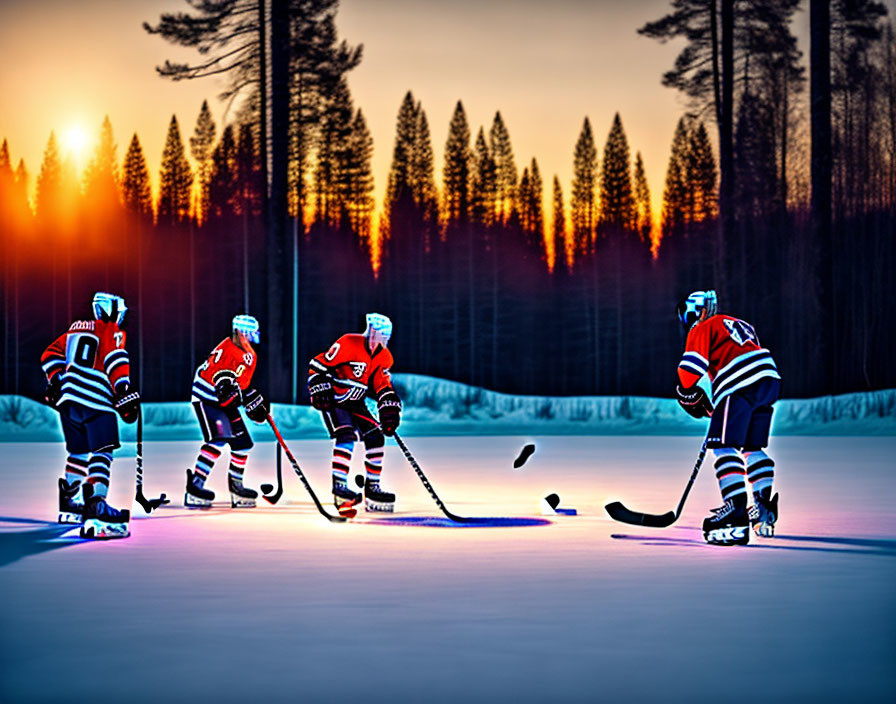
(88, 379)
(745, 385)
(221, 385)
(338, 381)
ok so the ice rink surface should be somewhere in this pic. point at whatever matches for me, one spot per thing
(276, 604)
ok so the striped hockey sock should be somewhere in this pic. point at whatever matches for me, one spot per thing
(208, 455)
(373, 463)
(731, 473)
(99, 468)
(76, 469)
(342, 459)
(238, 465)
(760, 472)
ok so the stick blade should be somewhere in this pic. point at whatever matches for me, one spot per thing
(620, 513)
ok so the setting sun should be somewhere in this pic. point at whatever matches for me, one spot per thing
(74, 142)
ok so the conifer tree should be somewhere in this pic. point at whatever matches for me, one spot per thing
(7, 182)
(359, 178)
(456, 172)
(423, 184)
(483, 193)
(701, 177)
(22, 187)
(584, 182)
(617, 204)
(563, 246)
(523, 201)
(223, 184)
(135, 188)
(250, 179)
(644, 215)
(175, 179)
(400, 186)
(531, 203)
(102, 176)
(331, 175)
(201, 146)
(49, 182)
(675, 194)
(505, 170)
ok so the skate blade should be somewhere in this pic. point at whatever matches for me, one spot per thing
(70, 518)
(732, 535)
(379, 506)
(346, 510)
(241, 502)
(191, 501)
(95, 529)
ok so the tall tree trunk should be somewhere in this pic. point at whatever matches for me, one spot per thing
(726, 146)
(820, 115)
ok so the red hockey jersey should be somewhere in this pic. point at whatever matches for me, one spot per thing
(227, 359)
(353, 369)
(728, 350)
(92, 360)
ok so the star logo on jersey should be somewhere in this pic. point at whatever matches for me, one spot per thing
(358, 368)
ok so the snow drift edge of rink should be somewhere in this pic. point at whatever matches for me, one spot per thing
(440, 407)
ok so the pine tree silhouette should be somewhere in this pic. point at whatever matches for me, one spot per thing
(483, 191)
(583, 205)
(201, 146)
(564, 246)
(135, 188)
(505, 170)
(175, 179)
(456, 172)
(644, 214)
(617, 203)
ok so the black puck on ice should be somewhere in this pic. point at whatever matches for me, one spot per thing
(359, 480)
(553, 500)
(524, 455)
(267, 488)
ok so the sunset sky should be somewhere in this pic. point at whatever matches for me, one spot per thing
(545, 66)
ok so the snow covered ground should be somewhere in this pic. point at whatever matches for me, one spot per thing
(276, 604)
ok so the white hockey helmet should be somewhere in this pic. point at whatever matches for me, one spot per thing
(109, 308)
(691, 308)
(379, 330)
(248, 326)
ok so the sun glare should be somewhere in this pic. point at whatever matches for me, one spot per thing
(75, 142)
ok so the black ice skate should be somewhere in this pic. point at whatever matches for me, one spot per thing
(197, 496)
(763, 515)
(375, 499)
(343, 497)
(101, 521)
(240, 496)
(728, 524)
(71, 503)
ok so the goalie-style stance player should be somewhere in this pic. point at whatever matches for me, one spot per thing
(338, 381)
(745, 385)
(88, 379)
(220, 386)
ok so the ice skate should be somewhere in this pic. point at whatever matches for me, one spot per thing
(763, 515)
(197, 496)
(375, 499)
(728, 525)
(71, 503)
(241, 496)
(101, 521)
(343, 497)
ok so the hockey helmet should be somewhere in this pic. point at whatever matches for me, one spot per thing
(248, 326)
(109, 308)
(379, 330)
(691, 308)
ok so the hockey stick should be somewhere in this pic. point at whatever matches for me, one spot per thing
(266, 489)
(410, 458)
(301, 475)
(147, 504)
(620, 513)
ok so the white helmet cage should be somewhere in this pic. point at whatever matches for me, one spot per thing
(691, 308)
(109, 308)
(248, 326)
(379, 330)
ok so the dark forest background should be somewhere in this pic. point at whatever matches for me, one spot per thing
(780, 193)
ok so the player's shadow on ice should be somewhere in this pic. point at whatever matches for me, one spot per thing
(475, 522)
(852, 546)
(41, 537)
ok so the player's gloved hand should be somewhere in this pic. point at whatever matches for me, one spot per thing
(54, 390)
(228, 391)
(390, 411)
(127, 403)
(694, 401)
(321, 392)
(256, 407)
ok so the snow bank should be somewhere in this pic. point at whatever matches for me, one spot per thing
(439, 407)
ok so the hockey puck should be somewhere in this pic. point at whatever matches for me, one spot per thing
(267, 488)
(524, 455)
(359, 480)
(553, 500)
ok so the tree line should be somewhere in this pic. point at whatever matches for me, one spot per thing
(275, 217)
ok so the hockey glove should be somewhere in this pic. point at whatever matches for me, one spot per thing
(256, 407)
(390, 411)
(127, 403)
(321, 392)
(228, 391)
(54, 390)
(694, 401)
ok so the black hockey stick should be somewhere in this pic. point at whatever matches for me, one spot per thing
(266, 489)
(620, 513)
(147, 504)
(301, 475)
(432, 492)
